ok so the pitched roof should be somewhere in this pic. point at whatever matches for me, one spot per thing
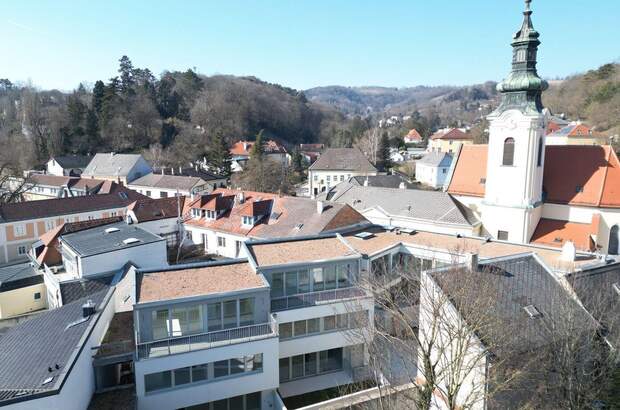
(432, 206)
(196, 280)
(413, 135)
(450, 134)
(343, 159)
(110, 163)
(153, 209)
(196, 172)
(575, 130)
(436, 159)
(54, 337)
(243, 148)
(552, 232)
(17, 275)
(73, 290)
(382, 181)
(317, 148)
(182, 183)
(592, 179)
(93, 185)
(46, 208)
(72, 161)
(283, 216)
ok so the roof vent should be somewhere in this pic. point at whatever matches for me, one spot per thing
(129, 241)
(299, 226)
(48, 380)
(110, 230)
(616, 287)
(532, 311)
(88, 308)
(364, 235)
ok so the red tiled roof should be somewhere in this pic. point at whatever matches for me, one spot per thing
(414, 135)
(453, 134)
(552, 232)
(586, 175)
(159, 208)
(553, 127)
(244, 148)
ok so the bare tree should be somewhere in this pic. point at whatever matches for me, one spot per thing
(369, 144)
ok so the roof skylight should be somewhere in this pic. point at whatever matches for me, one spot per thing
(532, 311)
(110, 230)
(129, 241)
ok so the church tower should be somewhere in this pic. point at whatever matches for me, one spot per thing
(512, 203)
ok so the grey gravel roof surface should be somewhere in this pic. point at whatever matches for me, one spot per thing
(96, 240)
(433, 206)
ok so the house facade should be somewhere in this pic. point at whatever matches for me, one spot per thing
(111, 166)
(449, 140)
(67, 165)
(42, 186)
(433, 169)
(163, 186)
(336, 165)
(272, 150)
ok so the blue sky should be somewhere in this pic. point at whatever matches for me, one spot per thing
(300, 43)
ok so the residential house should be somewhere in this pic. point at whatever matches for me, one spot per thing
(221, 221)
(42, 186)
(576, 133)
(106, 249)
(21, 224)
(274, 151)
(448, 140)
(335, 165)
(67, 165)
(311, 152)
(162, 217)
(124, 168)
(21, 290)
(164, 186)
(408, 209)
(198, 170)
(433, 169)
(413, 137)
(396, 155)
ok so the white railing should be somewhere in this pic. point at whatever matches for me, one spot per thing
(200, 341)
(315, 298)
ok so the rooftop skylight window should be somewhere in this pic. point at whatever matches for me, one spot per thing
(532, 311)
(130, 241)
(364, 235)
(616, 287)
(111, 230)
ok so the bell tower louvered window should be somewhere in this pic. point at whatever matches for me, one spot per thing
(509, 152)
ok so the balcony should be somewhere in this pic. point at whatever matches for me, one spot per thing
(316, 298)
(201, 341)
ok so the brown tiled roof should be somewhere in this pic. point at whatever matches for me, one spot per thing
(586, 175)
(553, 127)
(245, 147)
(292, 216)
(453, 134)
(413, 134)
(555, 233)
(470, 172)
(196, 281)
(64, 206)
(301, 251)
(61, 181)
(159, 208)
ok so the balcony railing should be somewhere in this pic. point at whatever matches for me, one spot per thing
(315, 298)
(201, 341)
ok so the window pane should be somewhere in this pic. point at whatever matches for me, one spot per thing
(342, 321)
(236, 403)
(181, 376)
(277, 285)
(331, 360)
(214, 316)
(343, 276)
(246, 311)
(200, 372)
(311, 364)
(317, 279)
(157, 381)
(330, 277)
(329, 322)
(313, 325)
(220, 405)
(284, 369)
(253, 363)
(195, 319)
(291, 283)
(304, 281)
(237, 365)
(230, 314)
(220, 368)
(252, 401)
(286, 330)
(160, 324)
(300, 328)
(298, 366)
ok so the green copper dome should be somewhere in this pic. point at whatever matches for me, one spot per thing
(522, 89)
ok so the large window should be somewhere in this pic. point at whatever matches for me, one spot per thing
(311, 364)
(509, 152)
(317, 325)
(160, 324)
(246, 311)
(203, 372)
(313, 280)
(186, 320)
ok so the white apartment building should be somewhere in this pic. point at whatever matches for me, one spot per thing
(433, 169)
(336, 165)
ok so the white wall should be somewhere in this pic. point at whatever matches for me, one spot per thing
(318, 179)
(228, 251)
(431, 175)
(213, 389)
(151, 255)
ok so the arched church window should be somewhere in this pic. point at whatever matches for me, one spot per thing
(612, 249)
(540, 152)
(509, 152)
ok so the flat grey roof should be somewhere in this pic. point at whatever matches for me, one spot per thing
(101, 240)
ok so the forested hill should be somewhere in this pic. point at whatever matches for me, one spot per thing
(182, 112)
(593, 97)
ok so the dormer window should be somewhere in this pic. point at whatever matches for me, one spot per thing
(248, 221)
(211, 214)
(196, 213)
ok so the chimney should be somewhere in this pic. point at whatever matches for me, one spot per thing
(241, 197)
(245, 146)
(111, 154)
(366, 181)
(401, 185)
(180, 170)
(162, 171)
(320, 206)
(88, 308)
(472, 261)
(172, 170)
(569, 252)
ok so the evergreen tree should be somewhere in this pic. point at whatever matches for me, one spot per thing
(258, 149)
(219, 155)
(384, 162)
(97, 100)
(126, 72)
(297, 161)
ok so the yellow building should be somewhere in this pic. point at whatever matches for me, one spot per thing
(448, 140)
(22, 290)
(576, 133)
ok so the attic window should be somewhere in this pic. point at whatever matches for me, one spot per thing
(532, 311)
(123, 195)
(248, 220)
(579, 189)
(110, 230)
(616, 287)
(364, 235)
(558, 240)
(299, 226)
(129, 241)
(275, 215)
(196, 212)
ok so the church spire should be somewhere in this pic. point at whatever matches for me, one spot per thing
(523, 88)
